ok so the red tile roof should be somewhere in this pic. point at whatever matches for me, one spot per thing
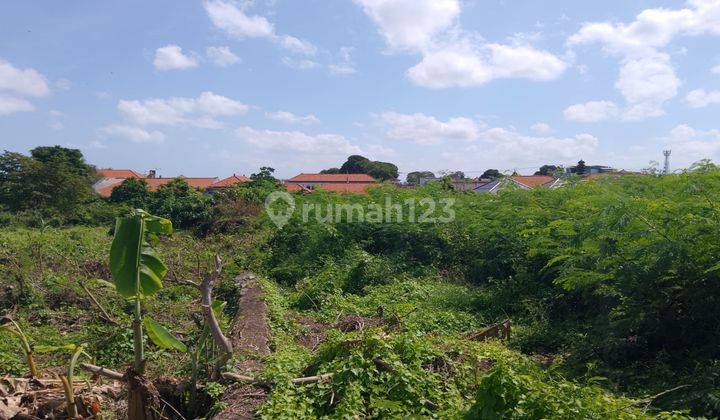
(230, 181)
(357, 188)
(532, 181)
(119, 173)
(323, 178)
(199, 183)
(295, 188)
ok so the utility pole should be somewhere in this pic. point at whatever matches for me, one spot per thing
(666, 167)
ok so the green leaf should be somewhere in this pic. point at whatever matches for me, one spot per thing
(132, 256)
(161, 336)
(50, 349)
(125, 254)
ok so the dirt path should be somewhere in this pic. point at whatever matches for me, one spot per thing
(249, 334)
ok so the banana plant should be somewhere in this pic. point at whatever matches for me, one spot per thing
(68, 379)
(137, 272)
(9, 325)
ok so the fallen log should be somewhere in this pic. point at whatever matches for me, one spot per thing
(102, 371)
(236, 377)
(501, 330)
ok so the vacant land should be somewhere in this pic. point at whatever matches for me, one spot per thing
(610, 287)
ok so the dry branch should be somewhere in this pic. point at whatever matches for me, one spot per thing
(222, 342)
(236, 377)
(101, 371)
(105, 316)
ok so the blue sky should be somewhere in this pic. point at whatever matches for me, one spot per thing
(211, 88)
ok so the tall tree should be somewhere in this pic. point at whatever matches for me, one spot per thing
(547, 170)
(133, 192)
(491, 174)
(580, 169)
(415, 177)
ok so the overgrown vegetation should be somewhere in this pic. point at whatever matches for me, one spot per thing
(611, 287)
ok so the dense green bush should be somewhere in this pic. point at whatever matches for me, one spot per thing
(621, 275)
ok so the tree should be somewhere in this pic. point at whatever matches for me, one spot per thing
(56, 182)
(330, 171)
(382, 170)
(265, 174)
(547, 170)
(415, 177)
(355, 164)
(456, 175)
(491, 174)
(580, 168)
(131, 191)
(181, 203)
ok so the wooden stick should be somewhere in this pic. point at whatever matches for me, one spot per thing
(222, 342)
(101, 371)
(95, 301)
(232, 376)
(312, 379)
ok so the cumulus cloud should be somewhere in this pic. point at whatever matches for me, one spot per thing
(541, 128)
(345, 65)
(231, 19)
(171, 57)
(16, 85)
(301, 64)
(290, 118)
(424, 129)
(298, 142)
(451, 56)
(133, 134)
(202, 111)
(221, 56)
(699, 98)
(647, 77)
(11, 105)
(592, 111)
(503, 142)
(690, 145)
(716, 69)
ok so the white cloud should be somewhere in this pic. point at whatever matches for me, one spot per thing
(298, 142)
(452, 57)
(134, 134)
(302, 64)
(297, 45)
(716, 69)
(290, 118)
(201, 111)
(411, 24)
(690, 145)
(17, 84)
(592, 111)
(171, 57)
(221, 56)
(22, 82)
(11, 105)
(503, 142)
(56, 125)
(229, 18)
(424, 129)
(541, 128)
(699, 98)
(63, 84)
(345, 65)
(647, 78)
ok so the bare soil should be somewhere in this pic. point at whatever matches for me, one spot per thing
(250, 335)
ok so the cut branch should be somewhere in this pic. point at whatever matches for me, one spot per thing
(222, 342)
(101, 371)
(106, 316)
(236, 377)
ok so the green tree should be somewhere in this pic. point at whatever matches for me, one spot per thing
(491, 174)
(382, 170)
(181, 203)
(265, 174)
(547, 170)
(132, 191)
(330, 171)
(355, 164)
(415, 177)
(72, 159)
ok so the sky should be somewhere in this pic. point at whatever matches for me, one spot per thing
(216, 87)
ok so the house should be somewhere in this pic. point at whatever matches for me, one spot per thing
(228, 182)
(589, 170)
(347, 183)
(525, 182)
(111, 178)
(469, 185)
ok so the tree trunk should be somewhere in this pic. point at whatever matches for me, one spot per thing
(143, 398)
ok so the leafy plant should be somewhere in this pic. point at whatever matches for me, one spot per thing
(9, 325)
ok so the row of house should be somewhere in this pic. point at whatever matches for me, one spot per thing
(342, 183)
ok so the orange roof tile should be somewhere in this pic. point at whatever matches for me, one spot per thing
(295, 188)
(532, 181)
(230, 181)
(119, 173)
(357, 188)
(323, 178)
(199, 183)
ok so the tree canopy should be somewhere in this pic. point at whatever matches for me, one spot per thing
(491, 174)
(547, 170)
(415, 177)
(357, 164)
